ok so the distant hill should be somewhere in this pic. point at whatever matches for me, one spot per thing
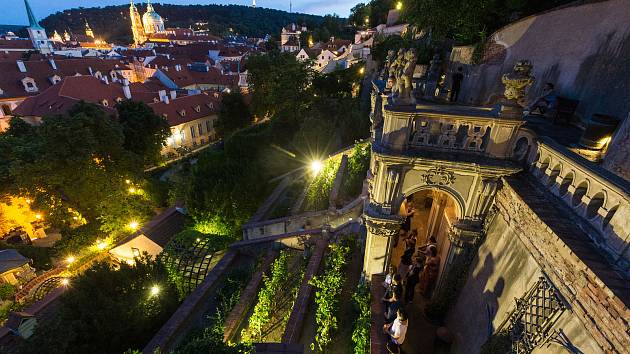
(11, 28)
(112, 22)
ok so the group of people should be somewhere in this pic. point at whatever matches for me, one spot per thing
(400, 286)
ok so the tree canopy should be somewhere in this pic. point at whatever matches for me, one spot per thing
(83, 164)
(233, 114)
(108, 310)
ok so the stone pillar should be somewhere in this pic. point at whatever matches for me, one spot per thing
(381, 231)
(464, 239)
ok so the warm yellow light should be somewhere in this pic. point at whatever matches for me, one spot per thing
(101, 245)
(130, 262)
(38, 216)
(28, 201)
(198, 239)
(65, 281)
(70, 259)
(399, 5)
(133, 225)
(127, 181)
(361, 71)
(367, 19)
(315, 167)
(132, 190)
(155, 290)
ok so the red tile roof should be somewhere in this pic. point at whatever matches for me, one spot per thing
(59, 98)
(188, 108)
(186, 77)
(41, 70)
(16, 44)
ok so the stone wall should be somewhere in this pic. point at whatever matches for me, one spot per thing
(583, 50)
(519, 246)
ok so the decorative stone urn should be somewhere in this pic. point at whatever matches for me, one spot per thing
(516, 84)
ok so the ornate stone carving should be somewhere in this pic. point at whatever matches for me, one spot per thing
(516, 84)
(404, 81)
(439, 176)
(382, 226)
(390, 186)
(391, 55)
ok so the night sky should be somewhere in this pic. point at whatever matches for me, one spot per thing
(13, 12)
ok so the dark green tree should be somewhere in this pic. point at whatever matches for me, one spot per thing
(279, 83)
(108, 310)
(145, 132)
(234, 113)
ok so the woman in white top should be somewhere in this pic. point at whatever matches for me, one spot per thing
(397, 330)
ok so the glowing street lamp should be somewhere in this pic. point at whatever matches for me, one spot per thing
(127, 181)
(155, 290)
(65, 281)
(132, 190)
(101, 245)
(315, 167)
(367, 20)
(362, 70)
(399, 5)
(70, 259)
(38, 216)
(133, 225)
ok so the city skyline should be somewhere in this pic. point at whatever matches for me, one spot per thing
(15, 15)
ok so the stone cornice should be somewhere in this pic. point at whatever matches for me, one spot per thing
(499, 168)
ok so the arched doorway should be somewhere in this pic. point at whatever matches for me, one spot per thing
(427, 213)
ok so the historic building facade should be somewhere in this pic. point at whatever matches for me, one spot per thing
(510, 206)
(143, 27)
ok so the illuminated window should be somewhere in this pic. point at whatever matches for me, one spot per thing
(192, 131)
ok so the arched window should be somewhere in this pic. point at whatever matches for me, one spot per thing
(580, 191)
(555, 172)
(566, 182)
(593, 206)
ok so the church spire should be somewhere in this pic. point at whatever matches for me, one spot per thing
(32, 21)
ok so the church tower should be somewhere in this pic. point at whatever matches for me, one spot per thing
(37, 33)
(137, 29)
(153, 23)
(88, 30)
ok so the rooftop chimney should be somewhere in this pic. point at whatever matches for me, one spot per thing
(52, 63)
(21, 66)
(126, 89)
(90, 70)
(163, 96)
(173, 94)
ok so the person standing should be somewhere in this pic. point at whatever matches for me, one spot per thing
(412, 279)
(456, 84)
(397, 330)
(430, 272)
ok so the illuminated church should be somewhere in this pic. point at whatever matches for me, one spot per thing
(142, 27)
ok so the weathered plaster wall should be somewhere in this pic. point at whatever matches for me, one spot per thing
(584, 50)
(503, 270)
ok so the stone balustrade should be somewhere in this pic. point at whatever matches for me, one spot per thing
(474, 130)
(592, 192)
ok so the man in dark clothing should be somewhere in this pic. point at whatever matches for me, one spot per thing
(412, 279)
(393, 308)
(456, 84)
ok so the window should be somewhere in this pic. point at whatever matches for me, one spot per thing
(7, 110)
(192, 131)
(208, 126)
(200, 128)
(535, 314)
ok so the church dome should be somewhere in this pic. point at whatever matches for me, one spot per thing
(152, 22)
